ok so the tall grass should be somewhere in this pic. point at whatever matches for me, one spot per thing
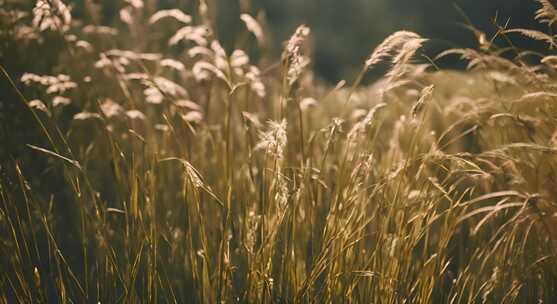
(193, 174)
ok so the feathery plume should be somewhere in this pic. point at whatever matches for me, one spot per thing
(188, 104)
(193, 116)
(199, 51)
(86, 116)
(388, 45)
(274, 140)
(402, 59)
(135, 114)
(203, 69)
(536, 35)
(60, 101)
(256, 85)
(38, 105)
(547, 13)
(51, 15)
(295, 42)
(425, 96)
(100, 30)
(135, 3)
(54, 84)
(170, 13)
(173, 64)
(295, 61)
(238, 59)
(197, 34)
(253, 26)
(111, 108)
(361, 125)
(307, 103)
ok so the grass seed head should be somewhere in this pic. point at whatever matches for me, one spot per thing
(389, 45)
(253, 26)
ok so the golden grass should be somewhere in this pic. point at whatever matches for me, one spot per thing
(193, 174)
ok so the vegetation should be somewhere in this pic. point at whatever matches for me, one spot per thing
(161, 167)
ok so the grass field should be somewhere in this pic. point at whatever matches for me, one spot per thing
(167, 169)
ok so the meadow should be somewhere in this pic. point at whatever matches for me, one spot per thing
(152, 164)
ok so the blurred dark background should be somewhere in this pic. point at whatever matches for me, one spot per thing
(346, 31)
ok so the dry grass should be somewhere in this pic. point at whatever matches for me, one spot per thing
(193, 174)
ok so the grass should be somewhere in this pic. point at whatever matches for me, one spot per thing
(175, 171)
